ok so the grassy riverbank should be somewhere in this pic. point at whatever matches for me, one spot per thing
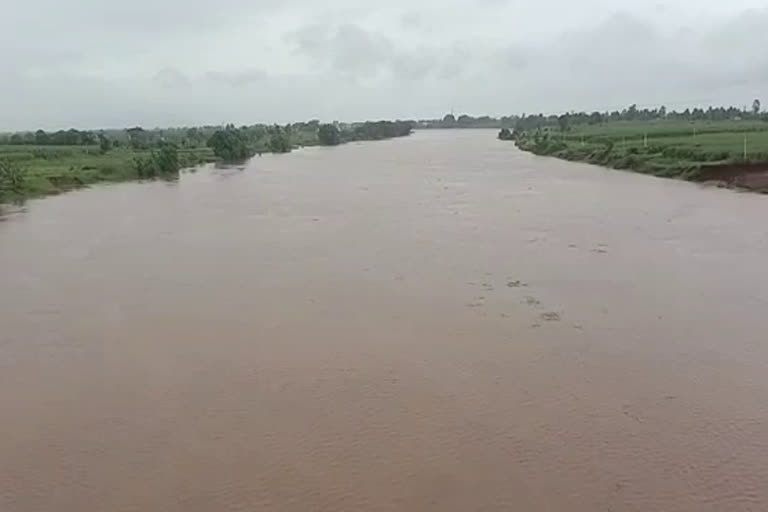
(696, 151)
(54, 169)
(38, 163)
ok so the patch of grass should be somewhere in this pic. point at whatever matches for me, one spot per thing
(54, 169)
(661, 148)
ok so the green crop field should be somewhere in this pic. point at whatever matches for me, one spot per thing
(51, 169)
(671, 148)
(705, 147)
(705, 141)
(662, 128)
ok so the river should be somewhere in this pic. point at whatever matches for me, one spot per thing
(435, 323)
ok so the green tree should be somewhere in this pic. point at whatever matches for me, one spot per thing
(631, 113)
(756, 107)
(279, 140)
(195, 137)
(230, 144)
(167, 158)
(379, 130)
(105, 143)
(42, 138)
(329, 135)
(139, 138)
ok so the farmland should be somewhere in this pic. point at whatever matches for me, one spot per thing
(692, 150)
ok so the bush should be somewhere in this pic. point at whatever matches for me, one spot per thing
(162, 162)
(52, 153)
(12, 177)
(105, 143)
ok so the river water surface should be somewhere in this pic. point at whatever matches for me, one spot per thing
(436, 323)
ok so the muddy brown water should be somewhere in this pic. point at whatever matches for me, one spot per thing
(437, 323)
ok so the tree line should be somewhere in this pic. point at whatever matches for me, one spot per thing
(70, 137)
(153, 153)
(228, 142)
(465, 121)
(233, 144)
(633, 113)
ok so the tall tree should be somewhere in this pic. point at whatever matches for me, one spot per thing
(139, 137)
(329, 135)
(279, 140)
(105, 143)
(230, 144)
(42, 138)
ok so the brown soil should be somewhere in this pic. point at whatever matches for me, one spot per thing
(752, 176)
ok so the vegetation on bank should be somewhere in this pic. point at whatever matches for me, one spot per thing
(690, 145)
(41, 170)
(466, 121)
(40, 163)
(329, 135)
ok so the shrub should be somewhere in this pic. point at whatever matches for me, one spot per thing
(162, 162)
(505, 134)
(11, 177)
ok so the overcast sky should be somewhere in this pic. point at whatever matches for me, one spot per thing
(106, 63)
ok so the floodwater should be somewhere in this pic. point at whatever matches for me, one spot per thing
(437, 323)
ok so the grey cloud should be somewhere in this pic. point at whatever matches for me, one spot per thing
(411, 20)
(137, 16)
(416, 66)
(348, 48)
(359, 53)
(517, 56)
(237, 78)
(310, 39)
(96, 63)
(355, 49)
(454, 64)
(170, 77)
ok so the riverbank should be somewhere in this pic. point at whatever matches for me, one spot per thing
(48, 170)
(29, 169)
(731, 154)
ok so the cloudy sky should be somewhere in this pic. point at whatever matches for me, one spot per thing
(108, 63)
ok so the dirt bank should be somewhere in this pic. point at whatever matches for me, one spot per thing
(750, 176)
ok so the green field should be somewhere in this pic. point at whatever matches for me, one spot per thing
(659, 147)
(53, 169)
(664, 128)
